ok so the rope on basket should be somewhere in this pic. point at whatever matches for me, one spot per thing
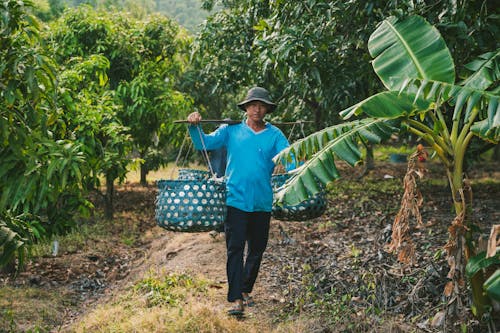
(180, 153)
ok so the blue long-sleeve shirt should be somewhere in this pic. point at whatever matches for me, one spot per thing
(249, 162)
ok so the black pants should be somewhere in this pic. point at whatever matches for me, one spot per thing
(243, 227)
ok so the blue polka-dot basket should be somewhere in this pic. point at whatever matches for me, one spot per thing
(309, 209)
(193, 174)
(190, 205)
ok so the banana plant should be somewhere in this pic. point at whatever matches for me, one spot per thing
(422, 97)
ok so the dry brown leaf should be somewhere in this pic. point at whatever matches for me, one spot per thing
(451, 263)
(448, 289)
(438, 319)
(410, 207)
(493, 241)
(407, 253)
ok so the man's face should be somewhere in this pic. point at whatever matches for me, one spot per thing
(256, 110)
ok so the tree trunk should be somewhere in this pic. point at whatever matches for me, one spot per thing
(108, 198)
(461, 247)
(144, 173)
(370, 160)
(317, 118)
(480, 301)
(313, 104)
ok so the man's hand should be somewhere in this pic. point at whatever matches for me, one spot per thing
(194, 118)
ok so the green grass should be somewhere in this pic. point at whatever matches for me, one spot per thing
(383, 152)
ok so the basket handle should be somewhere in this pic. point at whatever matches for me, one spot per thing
(186, 137)
(205, 153)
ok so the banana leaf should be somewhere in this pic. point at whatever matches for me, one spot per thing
(324, 147)
(492, 286)
(410, 48)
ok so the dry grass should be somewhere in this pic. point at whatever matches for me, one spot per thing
(168, 172)
(30, 308)
(188, 307)
(136, 318)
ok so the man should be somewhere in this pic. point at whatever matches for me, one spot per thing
(250, 146)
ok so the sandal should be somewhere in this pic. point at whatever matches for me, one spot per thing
(236, 311)
(248, 301)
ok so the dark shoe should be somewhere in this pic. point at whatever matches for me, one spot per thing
(248, 301)
(236, 311)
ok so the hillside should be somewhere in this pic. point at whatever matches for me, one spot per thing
(188, 13)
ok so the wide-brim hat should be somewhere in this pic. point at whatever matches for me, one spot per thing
(258, 94)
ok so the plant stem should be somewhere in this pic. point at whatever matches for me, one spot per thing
(427, 130)
(430, 140)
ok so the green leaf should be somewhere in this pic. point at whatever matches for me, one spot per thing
(472, 102)
(483, 130)
(492, 286)
(8, 252)
(389, 105)
(460, 101)
(410, 48)
(494, 113)
(485, 71)
(465, 99)
(10, 241)
(321, 149)
(478, 262)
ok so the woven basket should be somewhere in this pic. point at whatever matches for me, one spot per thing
(309, 209)
(190, 205)
(193, 174)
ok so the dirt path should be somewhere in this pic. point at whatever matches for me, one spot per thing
(202, 254)
(196, 253)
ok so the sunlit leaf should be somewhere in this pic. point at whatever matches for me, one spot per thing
(410, 48)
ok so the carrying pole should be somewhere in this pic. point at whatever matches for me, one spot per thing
(234, 122)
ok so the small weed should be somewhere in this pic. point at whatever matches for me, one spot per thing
(8, 317)
(368, 290)
(129, 241)
(325, 225)
(355, 252)
(438, 254)
(336, 306)
(170, 289)
(36, 329)
(409, 279)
